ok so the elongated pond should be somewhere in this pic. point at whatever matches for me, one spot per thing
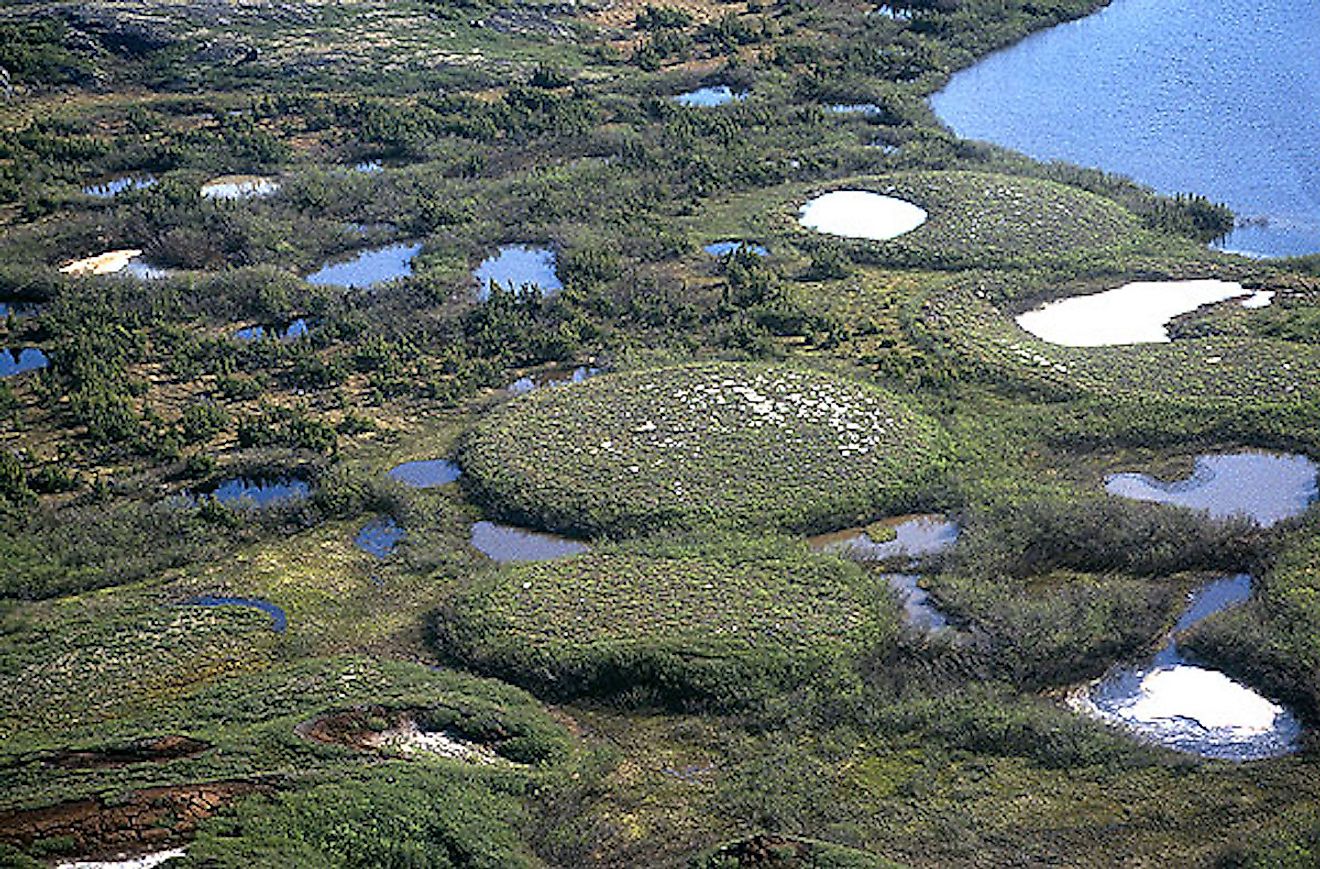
(506, 543)
(426, 473)
(16, 360)
(1211, 97)
(1265, 487)
(258, 491)
(368, 268)
(1189, 708)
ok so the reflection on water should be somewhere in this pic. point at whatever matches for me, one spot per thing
(505, 543)
(724, 248)
(913, 537)
(258, 491)
(368, 268)
(1266, 487)
(918, 610)
(518, 265)
(115, 186)
(426, 474)
(291, 332)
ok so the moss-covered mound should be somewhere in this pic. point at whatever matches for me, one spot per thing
(979, 219)
(673, 623)
(723, 444)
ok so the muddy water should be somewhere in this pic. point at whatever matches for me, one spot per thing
(505, 543)
(1189, 708)
(1266, 487)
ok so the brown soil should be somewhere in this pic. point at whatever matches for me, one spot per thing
(161, 749)
(142, 821)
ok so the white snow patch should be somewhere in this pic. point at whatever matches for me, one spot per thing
(146, 861)
(1207, 697)
(858, 214)
(102, 264)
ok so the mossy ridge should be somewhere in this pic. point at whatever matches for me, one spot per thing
(677, 623)
(705, 445)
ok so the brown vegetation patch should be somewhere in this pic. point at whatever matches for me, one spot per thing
(160, 749)
(141, 820)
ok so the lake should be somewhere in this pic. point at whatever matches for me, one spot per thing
(1211, 97)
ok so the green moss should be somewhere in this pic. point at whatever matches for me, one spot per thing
(677, 622)
(709, 445)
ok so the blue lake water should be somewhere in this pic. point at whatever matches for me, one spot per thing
(518, 265)
(368, 268)
(14, 360)
(259, 491)
(1207, 97)
(708, 97)
(379, 536)
(426, 474)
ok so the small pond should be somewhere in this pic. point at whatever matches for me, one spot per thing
(505, 543)
(426, 474)
(240, 187)
(707, 97)
(918, 610)
(16, 360)
(859, 214)
(369, 167)
(20, 310)
(1135, 313)
(910, 537)
(867, 110)
(380, 536)
(278, 620)
(724, 248)
(291, 332)
(1266, 487)
(369, 267)
(258, 491)
(518, 265)
(552, 378)
(115, 186)
(1190, 708)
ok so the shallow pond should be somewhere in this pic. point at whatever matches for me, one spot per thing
(16, 360)
(142, 861)
(859, 214)
(291, 332)
(1266, 487)
(1190, 708)
(240, 187)
(505, 543)
(426, 474)
(918, 610)
(115, 186)
(278, 620)
(258, 491)
(724, 248)
(369, 167)
(913, 537)
(707, 97)
(552, 378)
(518, 265)
(1135, 313)
(1210, 97)
(369, 267)
(380, 536)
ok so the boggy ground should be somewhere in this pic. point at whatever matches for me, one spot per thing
(553, 125)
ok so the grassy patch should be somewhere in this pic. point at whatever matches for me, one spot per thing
(699, 446)
(678, 622)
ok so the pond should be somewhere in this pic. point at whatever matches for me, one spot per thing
(708, 97)
(369, 167)
(724, 248)
(868, 110)
(505, 543)
(1210, 97)
(115, 186)
(552, 378)
(258, 491)
(1263, 486)
(278, 620)
(291, 332)
(369, 267)
(426, 474)
(910, 537)
(1135, 313)
(859, 214)
(16, 360)
(380, 536)
(127, 262)
(1190, 708)
(19, 310)
(518, 265)
(918, 610)
(240, 187)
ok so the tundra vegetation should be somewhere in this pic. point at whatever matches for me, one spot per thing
(700, 688)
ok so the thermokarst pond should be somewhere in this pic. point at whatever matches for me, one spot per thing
(709, 97)
(379, 537)
(240, 187)
(426, 474)
(505, 543)
(16, 360)
(724, 248)
(516, 266)
(1135, 313)
(257, 492)
(115, 186)
(291, 332)
(859, 214)
(368, 268)
(552, 378)
(1265, 487)
(1189, 708)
